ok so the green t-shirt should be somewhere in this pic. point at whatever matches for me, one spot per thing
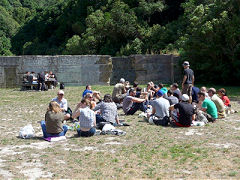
(211, 108)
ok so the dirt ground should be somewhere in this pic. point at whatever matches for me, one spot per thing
(146, 151)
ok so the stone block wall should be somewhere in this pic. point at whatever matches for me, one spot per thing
(71, 70)
(145, 68)
(92, 69)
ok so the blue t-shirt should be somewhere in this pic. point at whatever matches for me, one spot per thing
(86, 91)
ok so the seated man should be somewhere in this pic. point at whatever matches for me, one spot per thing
(131, 103)
(160, 110)
(186, 113)
(63, 104)
(218, 102)
(119, 91)
(209, 107)
(172, 99)
(176, 90)
(163, 89)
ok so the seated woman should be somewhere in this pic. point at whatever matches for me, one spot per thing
(91, 99)
(223, 95)
(52, 126)
(108, 111)
(86, 117)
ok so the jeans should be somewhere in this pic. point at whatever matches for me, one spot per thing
(135, 107)
(99, 119)
(91, 132)
(46, 135)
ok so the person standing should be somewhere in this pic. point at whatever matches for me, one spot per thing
(188, 80)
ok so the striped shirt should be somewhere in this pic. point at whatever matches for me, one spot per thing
(108, 111)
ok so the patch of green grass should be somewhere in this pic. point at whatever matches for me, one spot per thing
(232, 173)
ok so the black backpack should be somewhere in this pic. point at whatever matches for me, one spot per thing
(62, 86)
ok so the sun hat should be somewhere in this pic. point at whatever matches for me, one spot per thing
(185, 97)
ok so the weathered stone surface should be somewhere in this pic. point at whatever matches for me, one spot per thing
(92, 69)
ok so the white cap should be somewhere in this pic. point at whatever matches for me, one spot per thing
(122, 80)
(60, 92)
(185, 97)
(186, 63)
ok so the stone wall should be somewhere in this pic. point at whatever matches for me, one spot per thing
(92, 69)
(72, 70)
(145, 68)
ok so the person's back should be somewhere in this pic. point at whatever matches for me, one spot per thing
(108, 111)
(161, 106)
(211, 108)
(86, 118)
(172, 100)
(195, 91)
(185, 113)
(54, 122)
(127, 103)
(118, 90)
(218, 102)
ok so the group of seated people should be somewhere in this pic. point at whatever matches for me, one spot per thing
(160, 105)
(44, 80)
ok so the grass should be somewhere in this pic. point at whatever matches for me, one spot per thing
(146, 151)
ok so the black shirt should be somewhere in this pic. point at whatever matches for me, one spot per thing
(189, 73)
(185, 113)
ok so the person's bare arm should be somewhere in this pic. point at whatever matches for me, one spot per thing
(76, 112)
(153, 110)
(193, 117)
(138, 100)
(193, 79)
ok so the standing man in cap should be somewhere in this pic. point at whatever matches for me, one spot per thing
(188, 80)
(63, 104)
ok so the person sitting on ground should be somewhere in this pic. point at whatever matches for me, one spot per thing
(176, 91)
(91, 99)
(172, 99)
(218, 102)
(53, 124)
(119, 91)
(160, 110)
(87, 90)
(86, 117)
(208, 107)
(131, 103)
(185, 114)
(223, 95)
(62, 103)
(204, 90)
(163, 89)
(108, 111)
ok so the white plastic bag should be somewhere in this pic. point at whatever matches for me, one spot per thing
(26, 132)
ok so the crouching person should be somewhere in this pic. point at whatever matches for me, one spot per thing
(184, 114)
(160, 110)
(87, 119)
(53, 124)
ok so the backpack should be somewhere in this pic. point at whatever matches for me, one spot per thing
(62, 86)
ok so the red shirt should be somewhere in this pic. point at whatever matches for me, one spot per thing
(225, 100)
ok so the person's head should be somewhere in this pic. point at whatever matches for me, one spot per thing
(88, 87)
(54, 107)
(174, 86)
(28, 72)
(211, 91)
(185, 98)
(32, 72)
(201, 96)
(127, 85)
(135, 84)
(222, 92)
(176, 95)
(170, 92)
(159, 93)
(45, 72)
(85, 103)
(60, 94)
(50, 72)
(186, 64)
(132, 92)
(149, 85)
(107, 98)
(203, 89)
(160, 85)
(138, 89)
(89, 96)
(122, 80)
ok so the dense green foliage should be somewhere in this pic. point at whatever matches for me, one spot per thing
(204, 32)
